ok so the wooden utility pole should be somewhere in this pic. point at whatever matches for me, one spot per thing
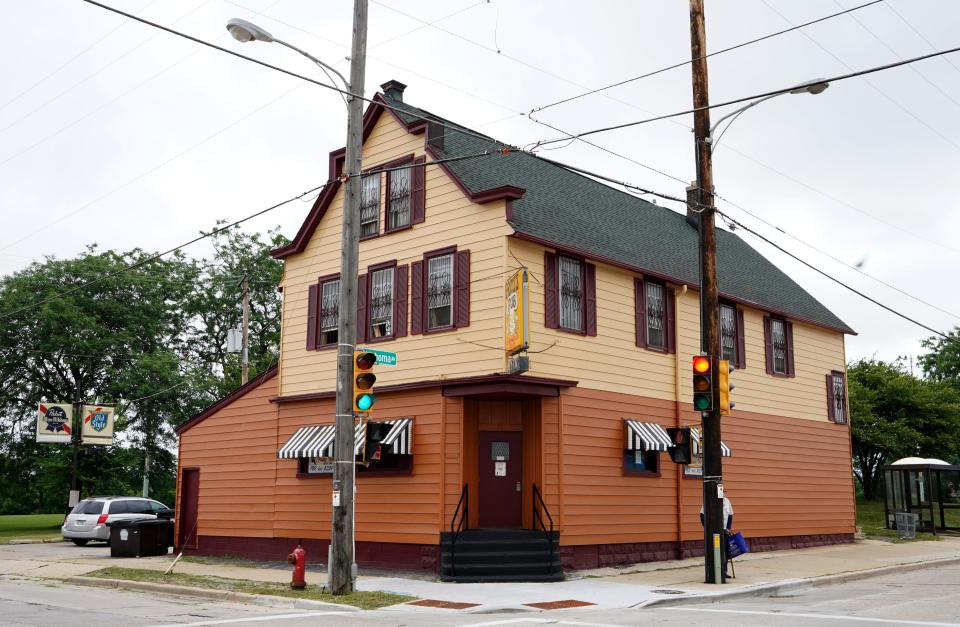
(709, 299)
(342, 563)
(244, 354)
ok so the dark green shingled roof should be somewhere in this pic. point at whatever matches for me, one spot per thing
(577, 212)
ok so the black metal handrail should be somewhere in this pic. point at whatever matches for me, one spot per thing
(456, 527)
(538, 500)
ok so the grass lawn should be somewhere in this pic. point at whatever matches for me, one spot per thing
(32, 526)
(363, 600)
(870, 520)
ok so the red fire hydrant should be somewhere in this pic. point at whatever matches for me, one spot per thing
(299, 560)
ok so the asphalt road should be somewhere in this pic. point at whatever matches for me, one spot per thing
(923, 597)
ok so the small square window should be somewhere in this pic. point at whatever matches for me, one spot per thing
(500, 451)
(641, 462)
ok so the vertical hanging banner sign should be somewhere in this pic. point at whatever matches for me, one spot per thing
(55, 422)
(516, 326)
(97, 425)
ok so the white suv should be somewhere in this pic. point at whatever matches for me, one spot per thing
(88, 520)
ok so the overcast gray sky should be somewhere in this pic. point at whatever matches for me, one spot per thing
(116, 133)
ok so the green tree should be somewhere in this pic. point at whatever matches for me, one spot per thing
(942, 363)
(893, 415)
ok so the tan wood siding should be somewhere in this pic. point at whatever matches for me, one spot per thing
(451, 218)
(650, 373)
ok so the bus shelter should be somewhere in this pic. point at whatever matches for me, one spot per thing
(929, 488)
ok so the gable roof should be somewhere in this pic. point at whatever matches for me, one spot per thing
(557, 207)
(251, 385)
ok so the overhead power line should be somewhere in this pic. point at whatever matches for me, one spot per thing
(706, 56)
(740, 224)
(399, 110)
(830, 276)
(225, 227)
(775, 92)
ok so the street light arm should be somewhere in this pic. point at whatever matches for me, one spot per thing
(741, 110)
(346, 83)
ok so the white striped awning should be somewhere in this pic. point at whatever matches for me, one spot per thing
(646, 436)
(318, 440)
(695, 439)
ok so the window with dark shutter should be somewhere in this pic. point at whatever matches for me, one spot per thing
(778, 341)
(728, 334)
(462, 289)
(656, 315)
(571, 295)
(381, 303)
(590, 299)
(329, 311)
(398, 198)
(439, 291)
(640, 309)
(418, 185)
(370, 204)
(837, 396)
(362, 308)
(741, 342)
(416, 298)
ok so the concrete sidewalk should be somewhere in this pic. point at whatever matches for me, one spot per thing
(634, 586)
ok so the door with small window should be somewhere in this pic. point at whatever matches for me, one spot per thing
(501, 469)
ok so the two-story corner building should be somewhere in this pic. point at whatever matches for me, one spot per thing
(613, 278)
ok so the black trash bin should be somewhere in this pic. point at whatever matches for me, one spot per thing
(140, 538)
(124, 538)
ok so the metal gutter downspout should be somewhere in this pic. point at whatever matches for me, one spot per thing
(676, 360)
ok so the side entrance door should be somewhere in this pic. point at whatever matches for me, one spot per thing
(187, 512)
(501, 470)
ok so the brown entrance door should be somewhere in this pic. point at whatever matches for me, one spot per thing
(500, 479)
(187, 512)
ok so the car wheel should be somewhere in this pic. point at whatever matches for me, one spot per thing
(80, 541)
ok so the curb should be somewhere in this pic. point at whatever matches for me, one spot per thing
(795, 584)
(215, 595)
(35, 540)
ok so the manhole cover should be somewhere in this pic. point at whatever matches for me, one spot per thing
(668, 591)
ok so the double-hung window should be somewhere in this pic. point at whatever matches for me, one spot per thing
(329, 312)
(778, 336)
(837, 397)
(439, 292)
(398, 198)
(656, 315)
(370, 204)
(381, 303)
(571, 293)
(728, 333)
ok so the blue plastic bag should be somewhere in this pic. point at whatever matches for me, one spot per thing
(736, 545)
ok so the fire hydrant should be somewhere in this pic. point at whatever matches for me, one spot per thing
(299, 560)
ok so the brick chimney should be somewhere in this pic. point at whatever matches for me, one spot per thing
(393, 90)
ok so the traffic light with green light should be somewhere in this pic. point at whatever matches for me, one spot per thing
(702, 383)
(363, 380)
(724, 370)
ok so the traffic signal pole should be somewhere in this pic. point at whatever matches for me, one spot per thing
(709, 299)
(342, 560)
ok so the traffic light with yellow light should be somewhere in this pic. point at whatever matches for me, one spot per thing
(702, 383)
(724, 370)
(680, 452)
(363, 380)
